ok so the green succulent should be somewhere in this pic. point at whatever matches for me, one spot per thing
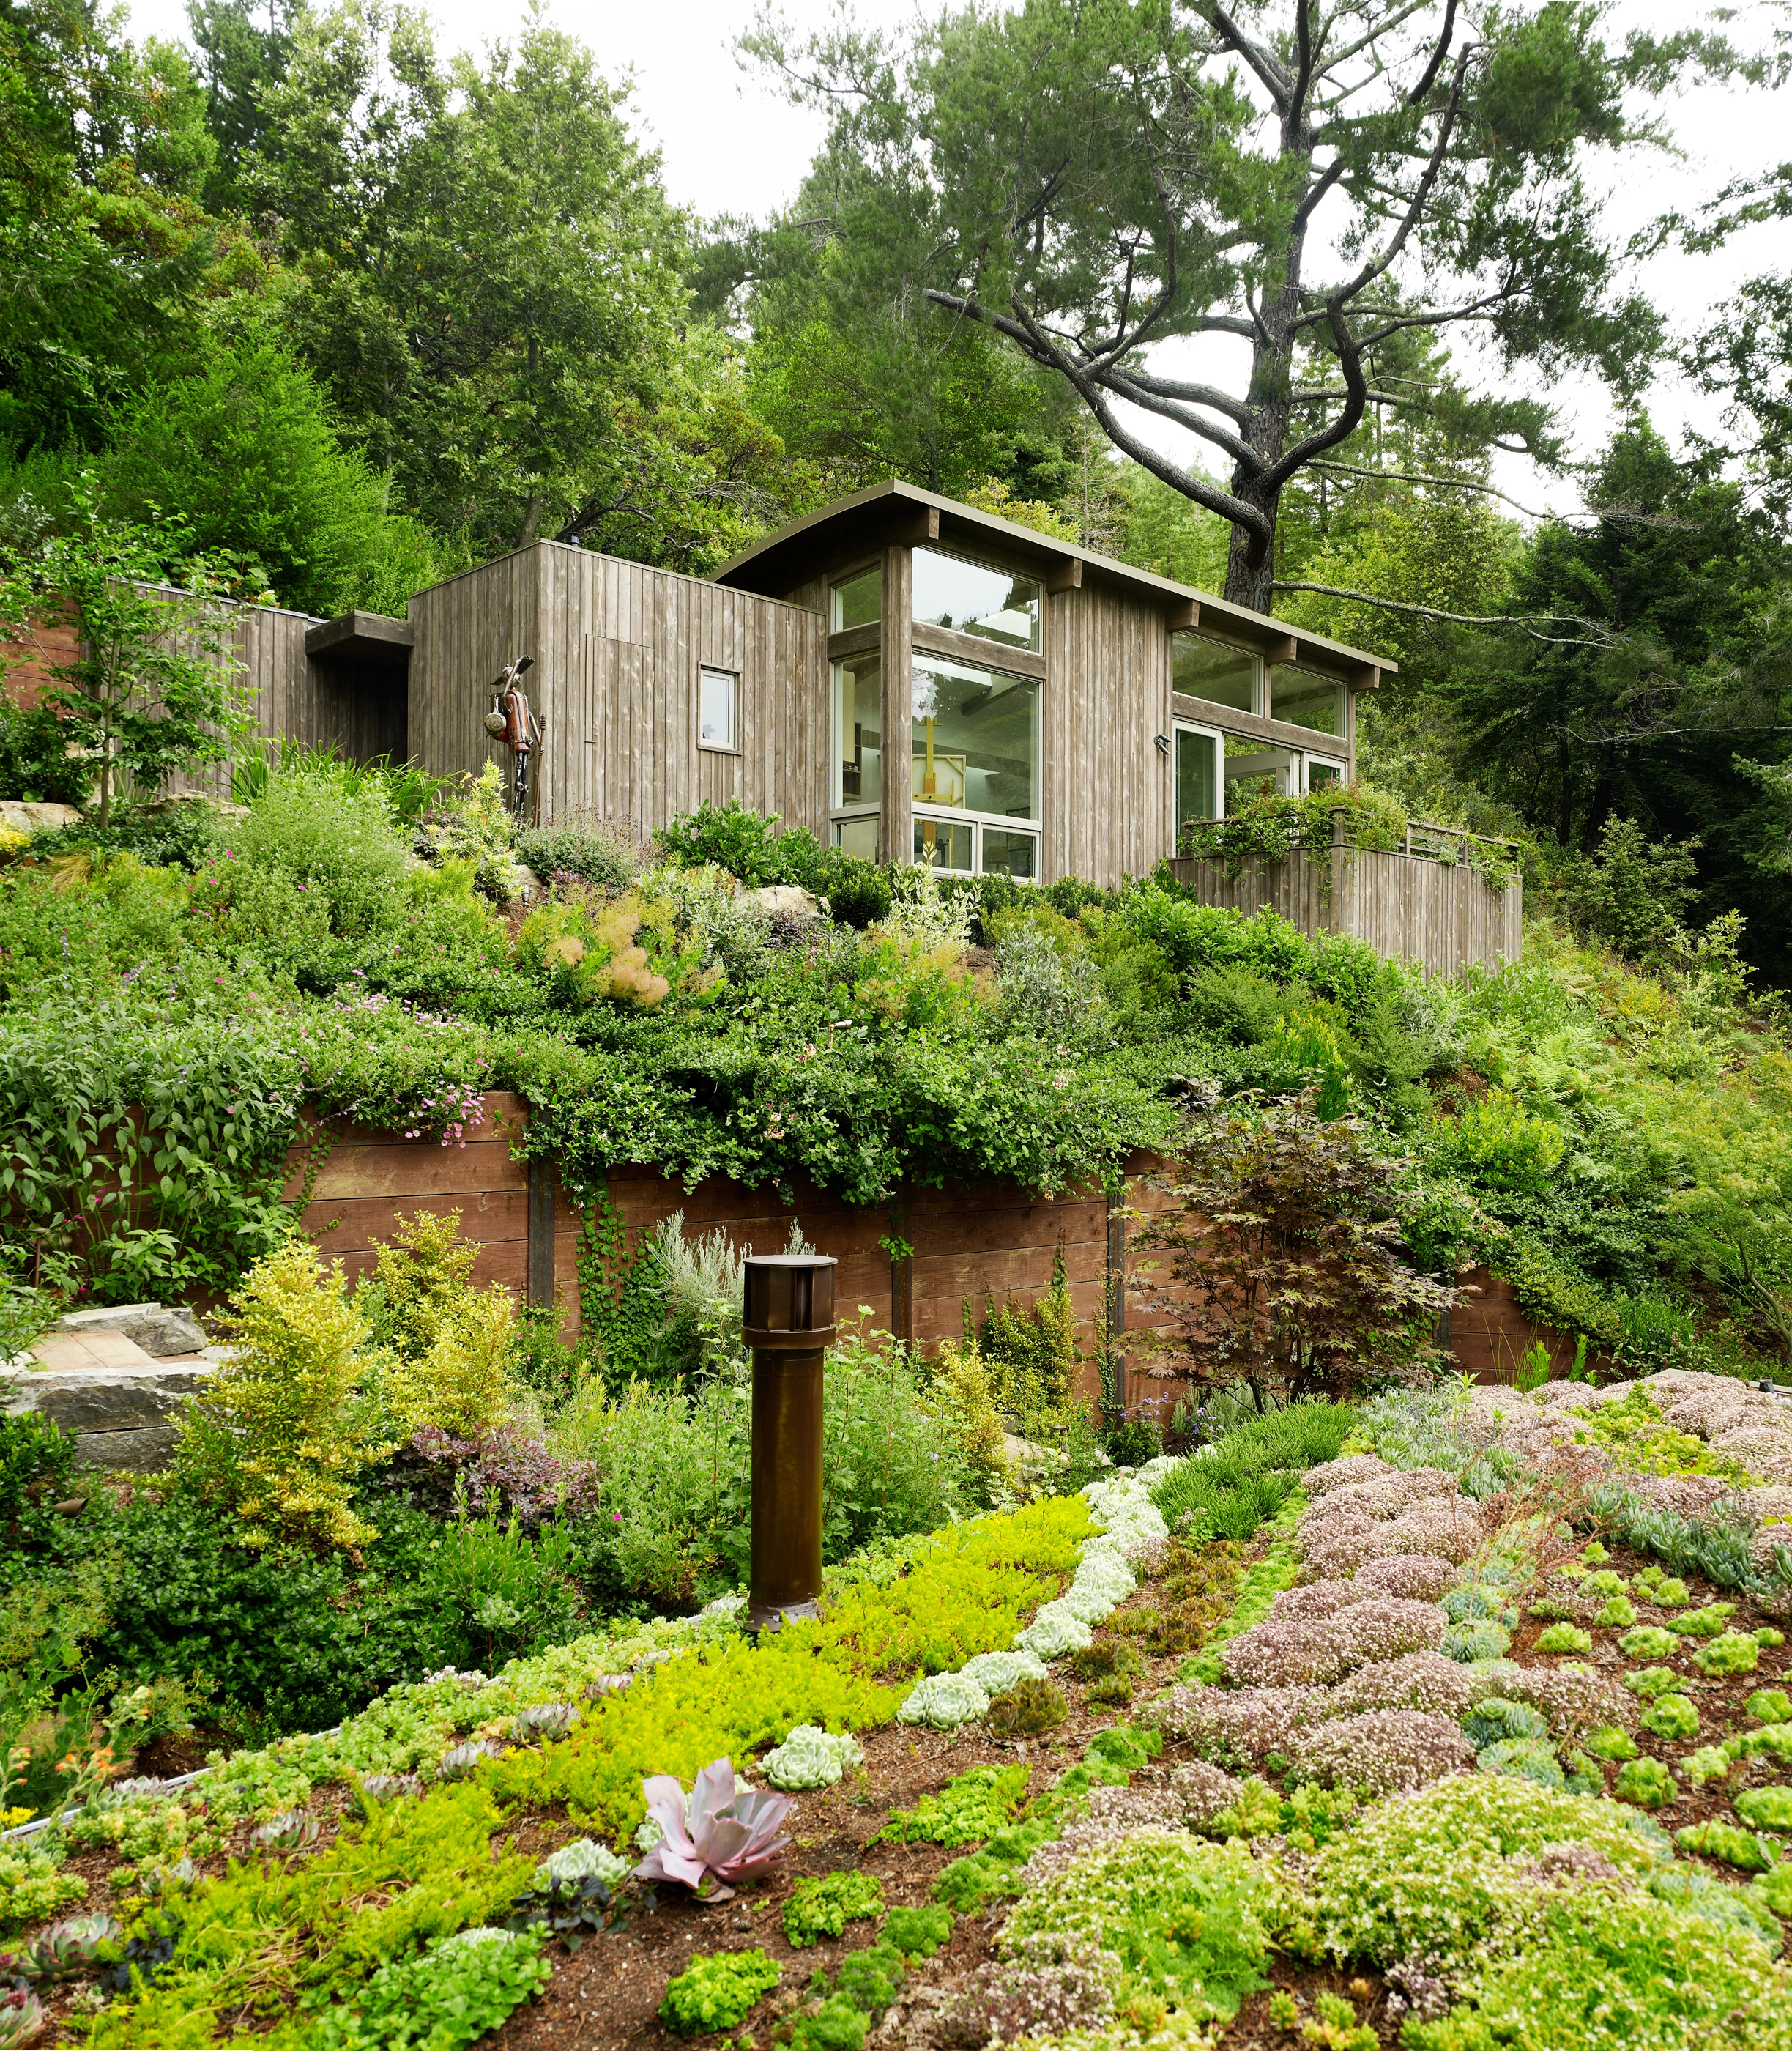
(1645, 1782)
(1672, 1717)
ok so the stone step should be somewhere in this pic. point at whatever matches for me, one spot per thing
(122, 1417)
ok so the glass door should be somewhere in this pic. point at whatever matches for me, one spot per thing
(1199, 776)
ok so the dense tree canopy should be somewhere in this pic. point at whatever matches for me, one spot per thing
(1324, 187)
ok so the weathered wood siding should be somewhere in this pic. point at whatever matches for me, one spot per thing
(1108, 793)
(356, 708)
(617, 646)
(1405, 905)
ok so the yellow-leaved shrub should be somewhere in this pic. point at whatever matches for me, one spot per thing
(447, 1343)
(284, 1428)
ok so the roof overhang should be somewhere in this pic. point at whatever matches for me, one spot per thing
(896, 513)
(362, 637)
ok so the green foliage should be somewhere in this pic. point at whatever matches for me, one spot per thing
(716, 1989)
(917, 1933)
(35, 764)
(282, 1432)
(1610, 1742)
(1564, 1637)
(1734, 1652)
(1766, 1808)
(240, 445)
(1500, 1145)
(822, 1907)
(1190, 1921)
(152, 688)
(1646, 1782)
(1032, 1349)
(319, 831)
(461, 1988)
(1671, 1717)
(971, 1807)
(1725, 1841)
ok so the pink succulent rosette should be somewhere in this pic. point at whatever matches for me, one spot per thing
(727, 1832)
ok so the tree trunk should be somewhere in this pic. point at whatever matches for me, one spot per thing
(1250, 564)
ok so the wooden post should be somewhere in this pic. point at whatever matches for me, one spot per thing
(539, 1273)
(1117, 1298)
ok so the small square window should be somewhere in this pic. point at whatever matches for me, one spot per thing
(719, 709)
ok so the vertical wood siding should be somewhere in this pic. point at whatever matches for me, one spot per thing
(1106, 790)
(1404, 905)
(617, 647)
(896, 667)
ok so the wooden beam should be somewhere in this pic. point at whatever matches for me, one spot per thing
(1367, 678)
(1183, 616)
(1285, 648)
(920, 528)
(1066, 576)
(362, 634)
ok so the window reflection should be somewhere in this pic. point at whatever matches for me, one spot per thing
(971, 598)
(975, 739)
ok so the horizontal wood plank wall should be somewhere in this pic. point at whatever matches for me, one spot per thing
(1492, 1338)
(1405, 906)
(978, 1244)
(366, 1182)
(1106, 790)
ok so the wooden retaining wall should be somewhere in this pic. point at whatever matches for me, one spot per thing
(995, 1240)
(1406, 906)
(1491, 1338)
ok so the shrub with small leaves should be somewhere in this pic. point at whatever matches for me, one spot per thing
(1725, 1841)
(1645, 1782)
(1734, 1652)
(918, 1933)
(823, 1907)
(1766, 1808)
(1564, 1637)
(715, 1991)
(1672, 1717)
(872, 1978)
(1649, 1641)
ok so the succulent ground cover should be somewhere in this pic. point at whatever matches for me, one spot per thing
(1315, 1786)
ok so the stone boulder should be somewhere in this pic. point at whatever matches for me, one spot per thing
(120, 1417)
(159, 1331)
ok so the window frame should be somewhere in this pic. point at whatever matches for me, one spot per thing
(1178, 728)
(979, 823)
(836, 583)
(1260, 670)
(1335, 687)
(1036, 647)
(706, 672)
(1310, 762)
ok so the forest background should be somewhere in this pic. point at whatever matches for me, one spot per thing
(342, 314)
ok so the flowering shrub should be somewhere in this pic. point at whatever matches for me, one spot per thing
(1311, 1652)
(1236, 1727)
(1408, 1576)
(1424, 1680)
(1046, 1987)
(1383, 1751)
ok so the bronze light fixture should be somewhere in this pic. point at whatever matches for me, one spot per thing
(789, 1325)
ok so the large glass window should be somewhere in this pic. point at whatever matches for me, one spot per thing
(1254, 770)
(857, 835)
(858, 731)
(975, 739)
(1222, 676)
(857, 600)
(971, 598)
(1198, 782)
(1303, 699)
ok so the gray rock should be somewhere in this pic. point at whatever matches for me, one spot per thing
(158, 1331)
(99, 1401)
(146, 1452)
(789, 899)
(29, 817)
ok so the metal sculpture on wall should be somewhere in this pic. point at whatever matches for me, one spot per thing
(513, 721)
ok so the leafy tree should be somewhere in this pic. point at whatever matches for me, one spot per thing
(488, 282)
(1091, 180)
(1284, 1267)
(238, 59)
(104, 247)
(241, 450)
(153, 690)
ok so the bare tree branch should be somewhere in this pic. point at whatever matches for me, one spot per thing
(1446, 483)
(1606, 637)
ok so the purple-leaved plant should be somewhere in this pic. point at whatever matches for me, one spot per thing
(725, 1831)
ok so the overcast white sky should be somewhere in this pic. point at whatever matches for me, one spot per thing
(731, 146)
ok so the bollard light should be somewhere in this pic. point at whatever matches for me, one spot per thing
(789, 1325)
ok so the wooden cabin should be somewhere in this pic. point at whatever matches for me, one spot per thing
(907, 677)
